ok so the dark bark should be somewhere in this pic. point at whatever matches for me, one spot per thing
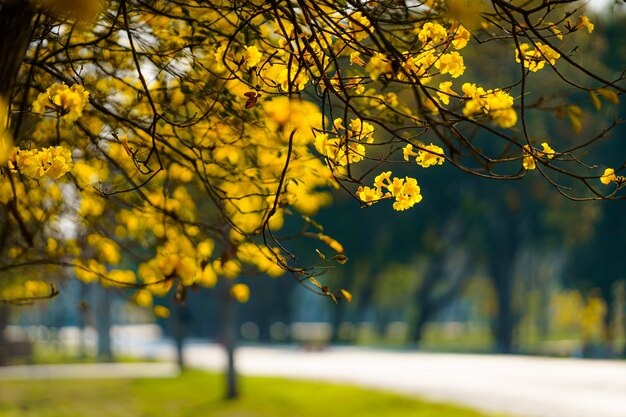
(504, 321)
(16, 27)
(421, 317)
(501, 268)
(4, 322)
(229, 335)
(429, 305)
(442, 280)
(103, 324)
(181, 329)
(424, 307)
(608, 335)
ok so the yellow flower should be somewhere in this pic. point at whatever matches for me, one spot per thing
(381, 178)
(240, 292)
(359, 26)
(252, 56)
(429, 156)
(529, 159)
(536, 59)
(361, 131)
(445, 91)
(547, 150)
(451, 63)
(583, 22)
(530, 155)
(68, 102)
(608, 176)
(121, 277)
(407, 195)
(355, 58)
(161, 312)
(407, 152)
(405, 191)
(368, 195)
(461, 37)
(53, 162)
(143, 298)
(496, 104)
(377, 65)
(432, 33)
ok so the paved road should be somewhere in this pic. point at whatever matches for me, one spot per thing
(524, 386)
(518, 386)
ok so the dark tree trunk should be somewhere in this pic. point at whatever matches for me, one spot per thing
(16, 27)
(103, 324)
(336, 320)
(504, 321)
(501, 262)
(608, 335)
(4, 322)
(83, 319)
(229, 335)
(422, 317)
(182, 321)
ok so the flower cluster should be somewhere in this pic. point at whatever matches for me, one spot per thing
(583, 22)
(426, 156)
(67, 102)
(531, 154)
(434, 39)
(377, 65)
(406, 191)
(535, 59)
(359, 26)
(451, 63)
(494, 103)
(432, 34)
(52, 162)
(348, 148)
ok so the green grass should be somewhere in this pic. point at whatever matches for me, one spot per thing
(199, 394)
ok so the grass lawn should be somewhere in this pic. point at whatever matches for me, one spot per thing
(199, 394)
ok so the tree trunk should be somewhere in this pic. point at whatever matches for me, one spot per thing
(422, 317)
(229, 334)
(608, 336)
(103, 324)
(181, 329)
(4, 322)
(504, 322)
(501, 268)
(16, 27)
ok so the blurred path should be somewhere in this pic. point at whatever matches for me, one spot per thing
(517, 385)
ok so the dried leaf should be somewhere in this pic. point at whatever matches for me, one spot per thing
(342, 259)
(313, 223)
(610, 95)
(315, 282)
(595, 100)
(574, 113)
